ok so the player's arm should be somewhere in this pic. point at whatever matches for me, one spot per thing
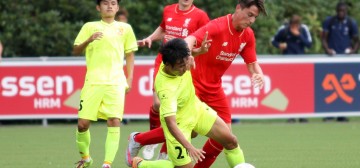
(195, 154)
(129, 57)
(78, 49)
(324, 38)
(257, 76)
(158, 34)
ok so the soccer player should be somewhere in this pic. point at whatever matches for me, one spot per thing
(181, 112)
(231, 37)
(179, 20)
(105, 43)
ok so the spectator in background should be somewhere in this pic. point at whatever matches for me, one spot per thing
(122, 15)
(340, 36)
(292, 39)
(340, 33)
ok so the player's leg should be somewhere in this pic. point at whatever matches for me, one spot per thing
(221, 133)
(89, 106)
(215, 128)
(211, 147)
(138, 162)
(112, 109)
(138, 140)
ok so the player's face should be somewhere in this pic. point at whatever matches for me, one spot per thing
(186, 2)
(341, 12)
(179, 68)
(245, 17)
(108, 8)
(122, 18)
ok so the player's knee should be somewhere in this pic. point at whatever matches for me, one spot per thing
(194, 134)
(82, 126)
(156, 106)
(231, 143)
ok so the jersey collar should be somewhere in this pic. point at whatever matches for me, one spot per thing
(178, 11)
(231, 28)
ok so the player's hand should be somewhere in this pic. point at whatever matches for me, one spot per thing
(257, 80)
(145, 42)
(196, 154)
(129, 83)
(95, 36)
(205, 44)
(190, 63)
(330, 52)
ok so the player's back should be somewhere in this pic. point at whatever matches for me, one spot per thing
(177, 95)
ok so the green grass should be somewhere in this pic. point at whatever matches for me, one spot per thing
(266, 144)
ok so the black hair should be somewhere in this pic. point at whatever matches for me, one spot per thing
(174, 50)
(258, 3)
(341, 4)
(98, 1)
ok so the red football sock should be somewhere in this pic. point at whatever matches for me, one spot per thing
(163, 148)
(154, 136)
(212, 149)
(154, 118)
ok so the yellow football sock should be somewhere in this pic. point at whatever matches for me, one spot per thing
(83, 143)
(112, 144)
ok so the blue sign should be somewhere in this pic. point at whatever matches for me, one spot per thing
(337, 87)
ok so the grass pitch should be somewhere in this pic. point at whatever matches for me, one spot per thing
(266, 144)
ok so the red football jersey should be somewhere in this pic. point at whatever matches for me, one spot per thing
(180, 24)
(227, 44)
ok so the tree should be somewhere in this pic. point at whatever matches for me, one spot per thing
(49, 28)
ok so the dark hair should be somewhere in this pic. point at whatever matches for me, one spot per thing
(98, 1)
(258, 3)
(174, 50)
(341, 4)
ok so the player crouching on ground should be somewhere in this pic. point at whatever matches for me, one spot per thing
(181, 112)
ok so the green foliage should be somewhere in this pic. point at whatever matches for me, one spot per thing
(48, 28)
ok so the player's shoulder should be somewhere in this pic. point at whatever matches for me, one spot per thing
(92, 23)
(199, 11)
(170, 7)
(249, 31)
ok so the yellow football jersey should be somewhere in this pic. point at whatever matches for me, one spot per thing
(104, 57)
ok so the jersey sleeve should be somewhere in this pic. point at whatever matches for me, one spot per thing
(83, 35)
(354, 28)
(249, 51)
(204, 19)
(130, 44)
(162, 24)
(325, 24)
(168, 103)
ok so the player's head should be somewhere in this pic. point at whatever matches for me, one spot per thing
(122, 15)
(107, 8)
(175, 53)
(246, 13)
(186, 3)
(295, 20)
(341, 10)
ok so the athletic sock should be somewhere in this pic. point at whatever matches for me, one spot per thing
(155, 164)
(154, 136)
(163, 148)
(212, 149)
(234, 156)
(111, 144)
(83, 143)
(154, 118)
